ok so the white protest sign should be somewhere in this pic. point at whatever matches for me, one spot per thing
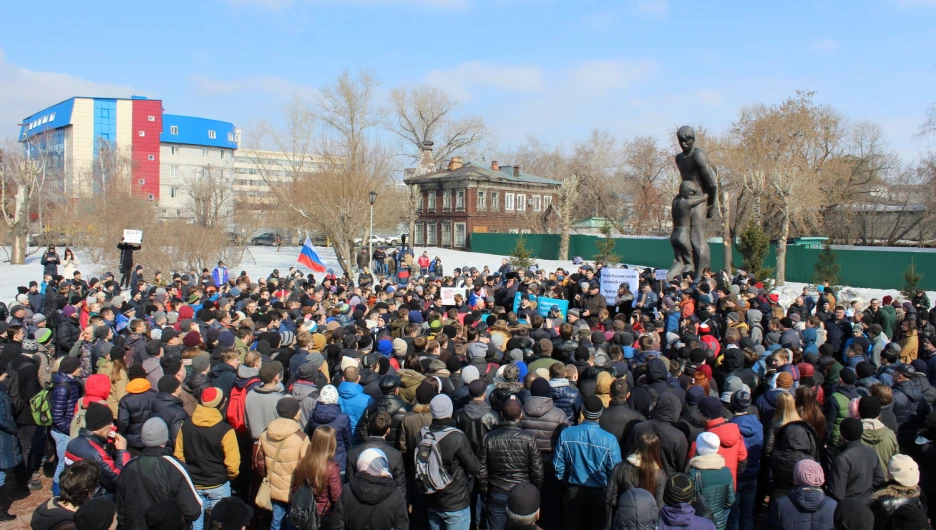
(611, 279)
(448, 294)
(133, 236)
(660, 275)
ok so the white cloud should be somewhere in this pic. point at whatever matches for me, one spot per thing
(601, 76)
(652, 8)
(26, 92)
(277, 6)
(277, 86)
(710, 97)
(602, 19)
(827, 45)
(459, 81)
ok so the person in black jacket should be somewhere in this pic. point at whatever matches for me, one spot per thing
(168, 406)
(449, 507)
(135, 408)
(657, 384)
(388, 401)
(126, 262)
(371, 499)
(673, 444)
(153, 477)
(619, 418)
(856, 471)
(378, 426)
(23, 372)
(509, 455)
(546, 422)
(92, 445)
(68, 330)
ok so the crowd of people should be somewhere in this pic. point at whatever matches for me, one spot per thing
(209, 400)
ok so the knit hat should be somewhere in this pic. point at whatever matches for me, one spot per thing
(191, 339)
(851, 429)
(440, 407)
(155, 432)
(164, 515)
(373, 462)
(707, 443)
(43, 335)
(869, 407)
(710, 407)
(400, 348)
(98, 416)
(200, 363)
(523, 499)
(95, 514)
(168, 384)
(904, 470)
(741, 400)
(226, 339)
(328, 395)
(30, 345)
(469, 374)
(864, 369)
(136, 372)
(231, 513)
(679, 489)
(287, 407)
(425, 392)
(69, 364)
(784, 380)
(808, 473)
(211, 397)
(847, 375)
(853, 514)
(694, 396)
(593, 408)
(540, 388)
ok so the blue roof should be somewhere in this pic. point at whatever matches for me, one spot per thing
(54, 117)
(197, 131)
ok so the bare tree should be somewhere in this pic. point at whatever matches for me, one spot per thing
(209, 196)
(346, 108)
(20, 172)
(645, 165)
(424, 113)
(410, 207)
(566, 201)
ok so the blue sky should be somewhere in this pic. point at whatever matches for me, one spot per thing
(550, 68)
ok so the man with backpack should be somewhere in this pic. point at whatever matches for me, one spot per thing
(23, 385)
(153, 477)
(445, 466)
(63, 398)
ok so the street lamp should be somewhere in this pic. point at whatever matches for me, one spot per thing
(372, 197)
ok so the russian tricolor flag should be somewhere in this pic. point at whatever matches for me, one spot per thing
(310, 258)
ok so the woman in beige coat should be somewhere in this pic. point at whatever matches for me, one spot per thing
(282, 446)
(117, 372)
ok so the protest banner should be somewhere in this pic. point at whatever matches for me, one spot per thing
(448, 294)
(545, 304)
(611, 279)
(134, 237)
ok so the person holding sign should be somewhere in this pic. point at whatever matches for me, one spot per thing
(126, 261)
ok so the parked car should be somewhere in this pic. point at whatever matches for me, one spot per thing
(396, 240)
(268, 239)
(50, 238)
(236, 238)
(374, 239)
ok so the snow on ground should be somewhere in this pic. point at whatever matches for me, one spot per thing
(260, 261)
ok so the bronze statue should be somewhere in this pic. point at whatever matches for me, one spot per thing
(694, 203)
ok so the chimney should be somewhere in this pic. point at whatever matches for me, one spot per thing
(495, 166)
(516, 171)
(455, 163)
(426, 164)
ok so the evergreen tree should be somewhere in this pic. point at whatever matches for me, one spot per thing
(827, 266)
(754, 244)
(605, 246)
(911, 281)
(520, 257)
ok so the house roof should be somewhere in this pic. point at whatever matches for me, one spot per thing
(471, 170)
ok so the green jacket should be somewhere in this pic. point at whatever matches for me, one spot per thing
(878, 437)
(713, 483)
(887, 318)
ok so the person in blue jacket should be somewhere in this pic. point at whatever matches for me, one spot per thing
(352, 399)
(219, 275)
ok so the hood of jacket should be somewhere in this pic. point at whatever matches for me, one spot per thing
(303, 389)
(206, 416)
(246, 372)
(754, 316)
(640, 508)
(657, 371)
(807, 499)
(220, 368)
(410, 378)
(138, 386)
(748, 425)
(728, 435)
(681, 514)
(911, 389)
(604, 383)
(348, 390)
(282, 428)
(97, 388)
(810, 335)
(49, 515)
(874, 431)
(537, 406)
(733, 359)
(164, 400)
(694, 416)
(475, 410)
(667, 408)
(371, 490)
(325, 412)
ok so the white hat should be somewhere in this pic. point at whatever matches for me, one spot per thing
(707, 443)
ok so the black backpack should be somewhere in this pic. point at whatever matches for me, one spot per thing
(13, 389)
(303, 514)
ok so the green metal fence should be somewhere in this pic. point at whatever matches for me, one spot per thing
(858, 267)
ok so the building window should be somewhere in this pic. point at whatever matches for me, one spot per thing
(482, 205)
(460, 200)
(521, 202)
(420, 236)
(459, 234)
(211, 134)
(174, 129)
(431, 234)
(142, 133)
(151, 118)
(446, 201)
(151, 157)
(508, 202)
(537, 203)
(141, 182)
(446, 234)
(52, 117)
(513, 231)
(222, 154)
(431, 201)
(525, 231)
(547, 201)
(151, 197)
(173, 171)
(204, 152)
(230, 137)
(494, 201)
(178, 213)
(172, 192)
(173, 150)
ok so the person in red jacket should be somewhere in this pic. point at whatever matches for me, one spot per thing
(423, 263)
(732, 446)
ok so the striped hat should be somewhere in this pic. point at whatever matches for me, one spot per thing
(211, 397)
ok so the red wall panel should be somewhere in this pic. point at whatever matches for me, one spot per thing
(145, 146)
